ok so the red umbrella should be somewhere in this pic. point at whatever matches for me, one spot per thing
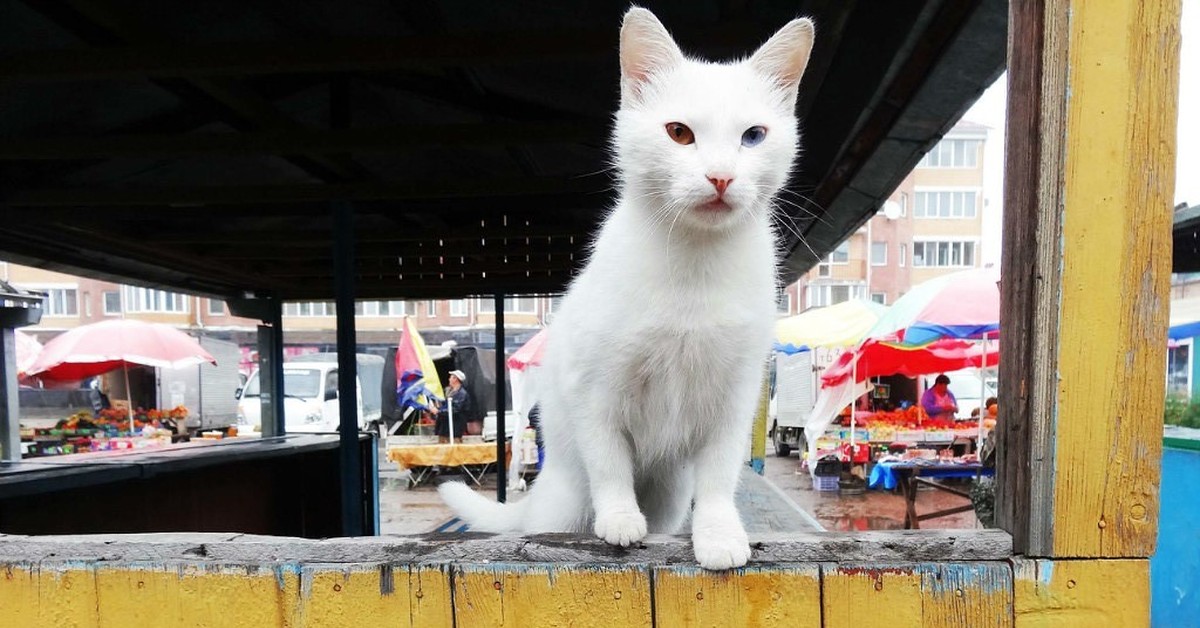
(109, 345)
(530, 353)
(877, 358)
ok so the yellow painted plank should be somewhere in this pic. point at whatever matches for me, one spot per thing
(1122, 72)
(66, 596)
(18, 595)
(381, 595)
(518, 596)
(213, 596)
(1102, 592)
(753, 597)
(432, 601)
(933, 595)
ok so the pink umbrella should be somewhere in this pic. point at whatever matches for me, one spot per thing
(28, 349)
(530, 353)
(109, 345)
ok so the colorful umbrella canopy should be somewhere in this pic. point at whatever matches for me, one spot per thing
(965, 304)
(530, 353)
(28, 349)
(413, 388)
(841, 325)
(109, 345)
(877, 359)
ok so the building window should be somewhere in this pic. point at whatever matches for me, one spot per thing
(112, 302)
(952, 154)
(879, 297)
(512, 305)
(783, 302)
(310, 308)
(832, 294)
(879, 253)
(459, 307)
(945, 205)
(431, 309)
(946, 254)
(149, 300)
(216, 307)
(903, 254)
(903, 204)
(840, 255)
(1179, 369)
(60, 301)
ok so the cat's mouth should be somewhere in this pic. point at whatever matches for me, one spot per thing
(717, 205)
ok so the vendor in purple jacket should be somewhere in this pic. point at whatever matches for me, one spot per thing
(938, 401)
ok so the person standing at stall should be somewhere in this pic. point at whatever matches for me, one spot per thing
(460, 399)
(938, 401)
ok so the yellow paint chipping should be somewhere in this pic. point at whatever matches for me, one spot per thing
(933, 595)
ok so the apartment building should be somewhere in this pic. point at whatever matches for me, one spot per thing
(932, 224)
(73, 301)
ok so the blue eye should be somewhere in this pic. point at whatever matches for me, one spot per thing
(754, 136)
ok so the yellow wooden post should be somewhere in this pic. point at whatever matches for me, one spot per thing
(758, 435)
(1086, 273)
(1090, 173)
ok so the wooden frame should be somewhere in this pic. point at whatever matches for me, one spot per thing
(1090, 171)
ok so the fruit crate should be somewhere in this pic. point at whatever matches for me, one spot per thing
(825, 482)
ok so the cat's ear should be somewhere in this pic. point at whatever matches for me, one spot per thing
(646, 49)
(785, 55)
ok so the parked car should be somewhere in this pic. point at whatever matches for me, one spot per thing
(310, 402)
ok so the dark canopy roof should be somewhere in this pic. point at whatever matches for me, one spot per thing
(200, 146)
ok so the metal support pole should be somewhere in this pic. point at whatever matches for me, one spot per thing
(10, 431)
(351, 454)
(270, 371)
(501, 463)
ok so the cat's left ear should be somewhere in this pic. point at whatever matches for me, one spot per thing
(785, 55)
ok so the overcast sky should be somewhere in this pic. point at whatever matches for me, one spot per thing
(989, 110)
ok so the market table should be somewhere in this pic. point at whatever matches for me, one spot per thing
(422, 458)
(909, 474)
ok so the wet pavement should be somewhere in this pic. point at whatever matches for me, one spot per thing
(405, 510)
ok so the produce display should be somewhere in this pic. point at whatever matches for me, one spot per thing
(106, 430)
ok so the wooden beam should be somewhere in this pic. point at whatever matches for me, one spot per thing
(233, 59)
(305, 193)
(1086, 271)
(302, 140)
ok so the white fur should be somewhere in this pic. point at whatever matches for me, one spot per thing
(654, 362)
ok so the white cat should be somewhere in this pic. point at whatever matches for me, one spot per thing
(653, 366)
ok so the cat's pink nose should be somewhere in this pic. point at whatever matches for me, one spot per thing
(720, 182)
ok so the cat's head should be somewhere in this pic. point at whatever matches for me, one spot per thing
(704, 144)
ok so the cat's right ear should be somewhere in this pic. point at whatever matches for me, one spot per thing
(647, 49)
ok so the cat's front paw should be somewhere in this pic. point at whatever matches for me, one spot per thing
(720, 541)
(622, 527)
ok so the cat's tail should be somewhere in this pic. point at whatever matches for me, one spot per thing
(481, 513)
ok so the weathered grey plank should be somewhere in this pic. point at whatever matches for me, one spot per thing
(794, 547)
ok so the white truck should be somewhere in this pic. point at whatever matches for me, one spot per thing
(795, 394)
(310, 385)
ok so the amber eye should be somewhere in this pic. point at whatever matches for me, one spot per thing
(680, 133)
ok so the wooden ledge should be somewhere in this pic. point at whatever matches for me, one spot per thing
(797, 547)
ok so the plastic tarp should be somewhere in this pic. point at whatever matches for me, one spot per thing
(841, 325)
(877, 359)
(830, 401)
